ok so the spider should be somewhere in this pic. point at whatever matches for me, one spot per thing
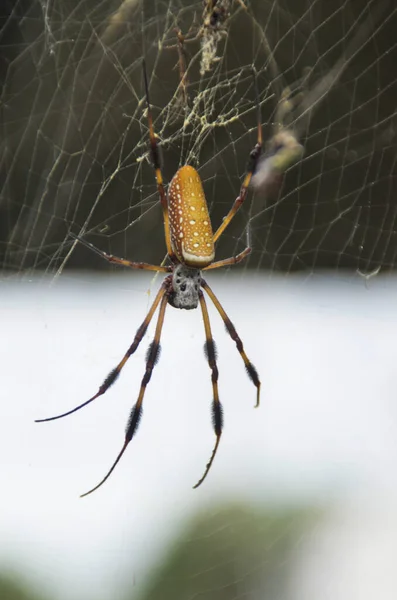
(190, 244)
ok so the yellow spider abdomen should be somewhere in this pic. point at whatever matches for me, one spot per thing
(190, 224)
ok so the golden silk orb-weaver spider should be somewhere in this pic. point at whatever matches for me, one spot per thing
(190, 244)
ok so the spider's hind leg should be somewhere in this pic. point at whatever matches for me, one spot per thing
(251, 370)
(114, 373)
(136, 412)
(217, 414)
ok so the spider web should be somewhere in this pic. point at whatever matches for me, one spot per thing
(74, 158)
(74, 138)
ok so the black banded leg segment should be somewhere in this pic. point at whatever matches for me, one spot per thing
(136, 413)
(155, 156)
(113, 375)
(217, 416)
(252, 372)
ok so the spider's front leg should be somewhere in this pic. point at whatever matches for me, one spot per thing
(251, 168)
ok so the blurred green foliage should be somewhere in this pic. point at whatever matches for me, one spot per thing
(11, 589)
(227, 553)
(231, 553)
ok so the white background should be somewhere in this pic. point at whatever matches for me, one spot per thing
(325, 433)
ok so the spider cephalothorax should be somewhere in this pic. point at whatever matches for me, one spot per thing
(190, 243)
(185, 285)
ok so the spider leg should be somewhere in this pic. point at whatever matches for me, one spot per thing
(233, 260)
(121, 261)
(113, 375)
(217, 415)
(251, 166)
(155, 155)
(252, 372)
(136, 413)
(182, 67)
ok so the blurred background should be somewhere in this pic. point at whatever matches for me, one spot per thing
(300, 502)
